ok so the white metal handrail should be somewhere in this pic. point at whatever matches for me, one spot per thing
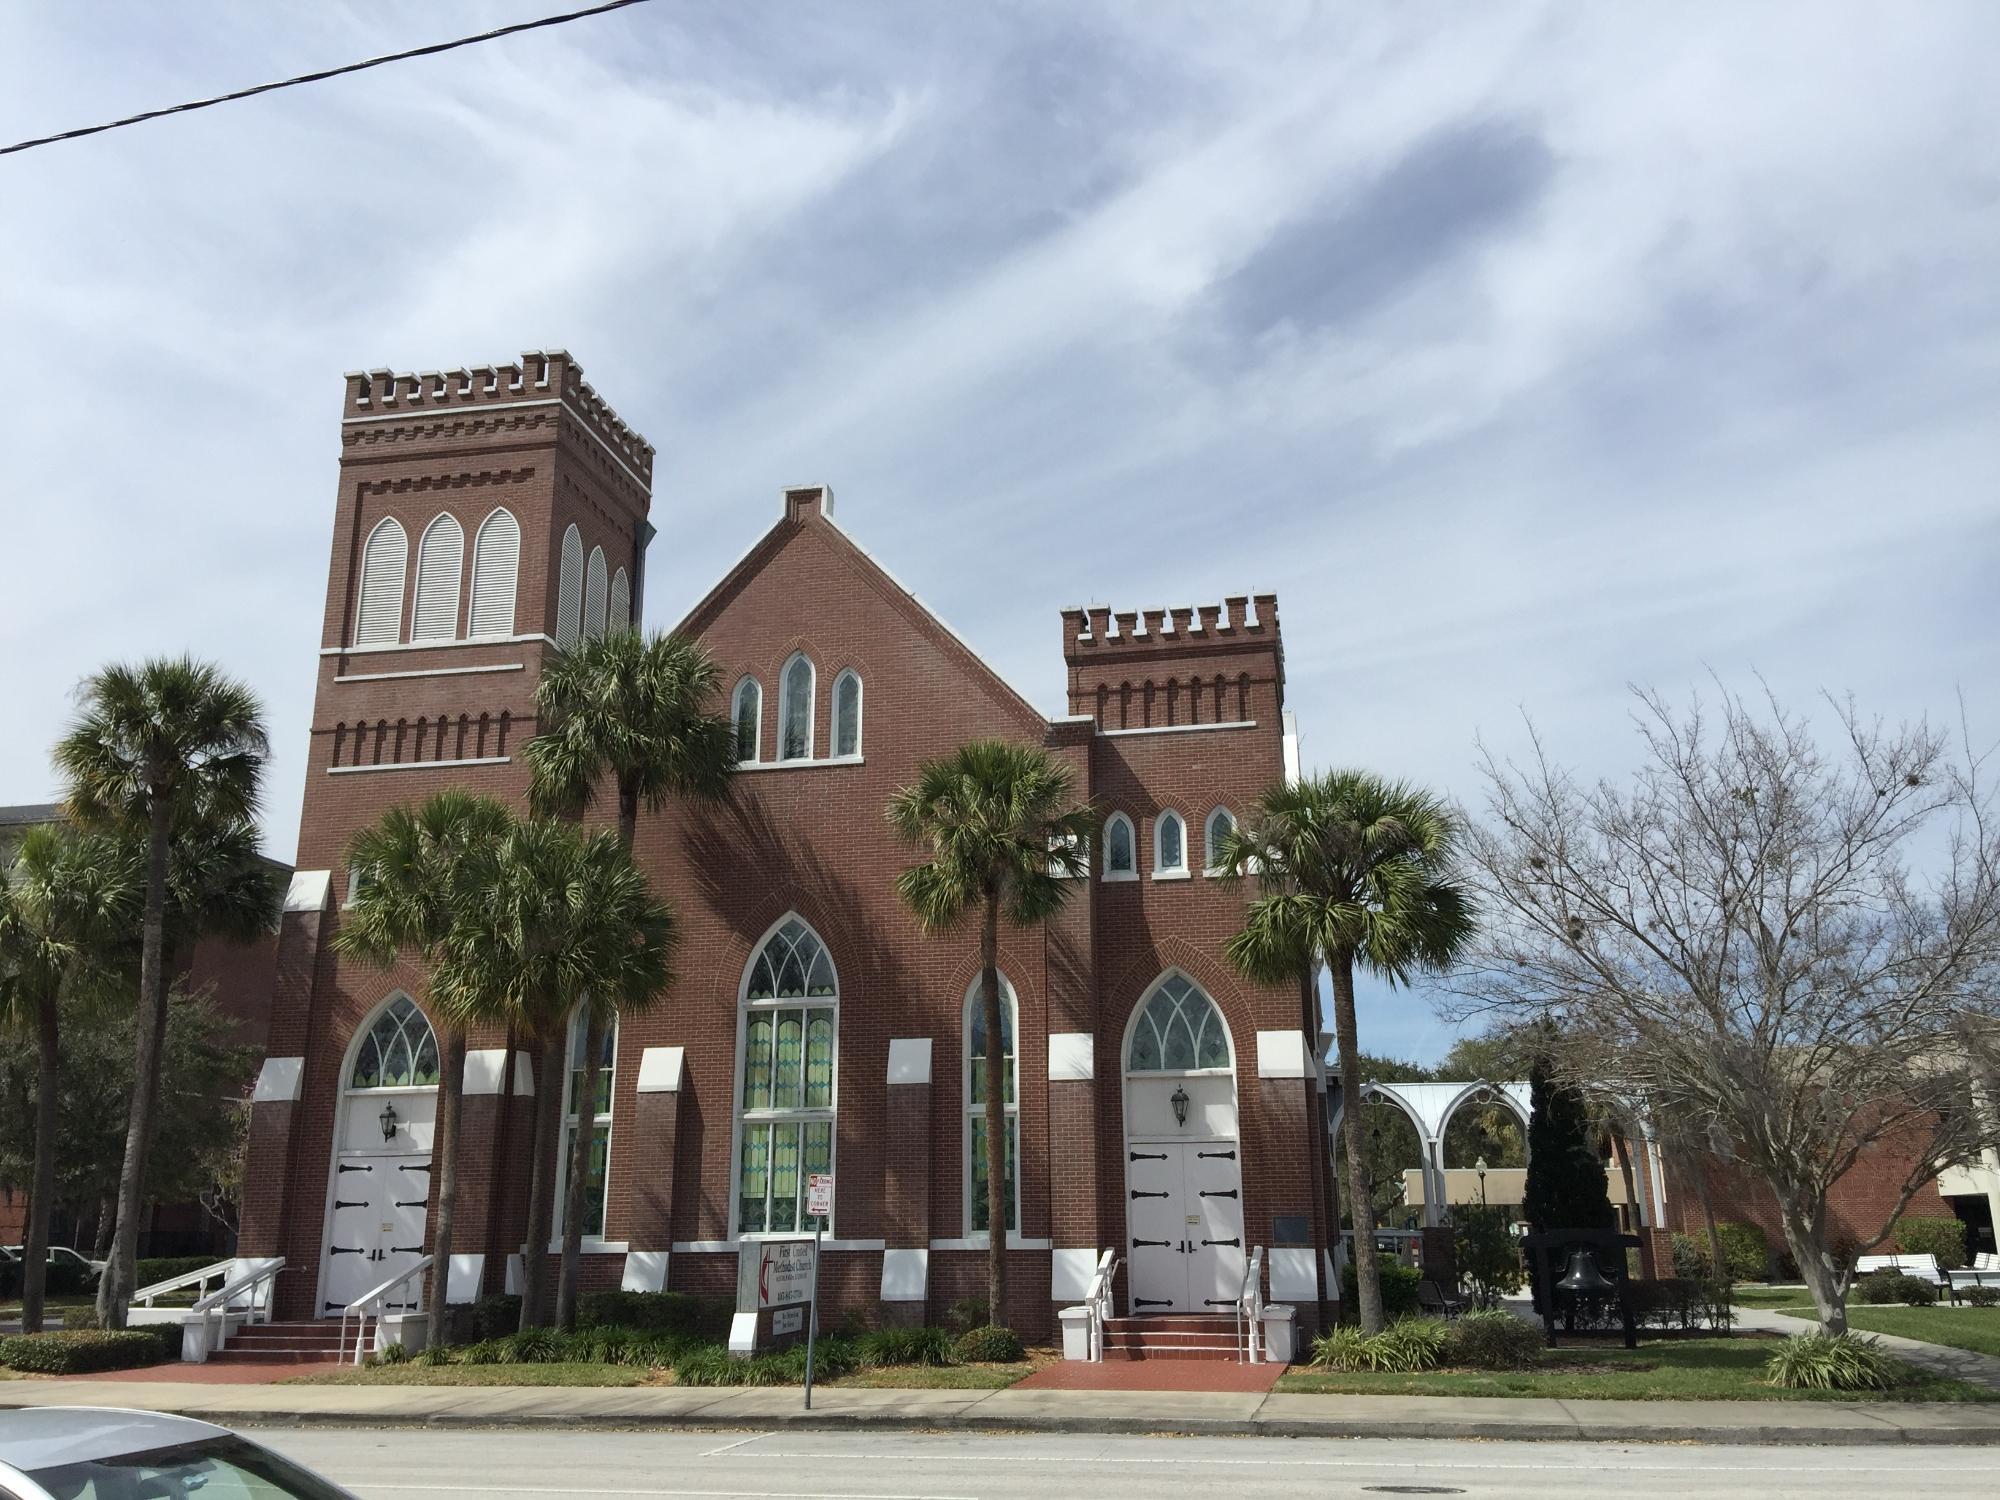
(372, 1300)
(198, 1279)
(1250, 1307)
(1099, 1301)
(251, 1293)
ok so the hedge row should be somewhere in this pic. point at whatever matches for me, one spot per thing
(82, 1351)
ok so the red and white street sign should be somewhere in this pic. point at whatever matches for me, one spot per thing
(819, 1195)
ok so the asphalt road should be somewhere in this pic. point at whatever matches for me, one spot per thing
(394, 1464)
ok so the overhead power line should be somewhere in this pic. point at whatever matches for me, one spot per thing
(321, 76)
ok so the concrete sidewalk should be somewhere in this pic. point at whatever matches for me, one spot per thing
(1131, 1412)
(1937, 1359)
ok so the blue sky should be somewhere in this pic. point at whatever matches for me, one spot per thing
(1526, 351)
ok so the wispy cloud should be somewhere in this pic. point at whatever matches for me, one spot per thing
(1525, 350)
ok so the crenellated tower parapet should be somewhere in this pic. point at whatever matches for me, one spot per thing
(1176, 665)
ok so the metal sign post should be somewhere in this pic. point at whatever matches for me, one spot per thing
(819, 1205)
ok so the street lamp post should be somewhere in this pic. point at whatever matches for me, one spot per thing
(1479, 1166)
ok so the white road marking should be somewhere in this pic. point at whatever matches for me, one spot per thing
(731, 1447)
(512, 1489)
(1980, 1464)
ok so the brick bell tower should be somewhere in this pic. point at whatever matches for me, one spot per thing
(484, 516)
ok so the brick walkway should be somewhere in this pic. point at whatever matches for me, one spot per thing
(177, 1373)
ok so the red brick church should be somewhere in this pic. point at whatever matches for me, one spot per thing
(1163, 1107)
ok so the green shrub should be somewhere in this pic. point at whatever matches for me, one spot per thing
(485, 1352)
(496, 1316)
(1342, 1347)
(1982, 1296)
(1830, 1362)
(432, 1355)
(657, 1312)
(1746, 1250)
(1408, 1345)
(535, 1346)
(1944, 1238)
(1488, 1256)
(1399, 1286)
(967, 1314)
(1493, 1340)
(1690, 1258)
(1894, 1286)
(988, 1346)
(1717, 1305)
(710, 1364)
(907, 1346)
(82, 1351)
(392, 1354)
(157, 1268)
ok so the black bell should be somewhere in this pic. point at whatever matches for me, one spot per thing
(1584, 1276)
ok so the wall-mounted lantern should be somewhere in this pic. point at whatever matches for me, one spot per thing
(388, 1119)
(1180, 1103)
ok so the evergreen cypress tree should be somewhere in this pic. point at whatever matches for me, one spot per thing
(1565, 1188)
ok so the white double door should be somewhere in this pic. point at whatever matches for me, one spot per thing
(380, 1205)
(1184, 1226)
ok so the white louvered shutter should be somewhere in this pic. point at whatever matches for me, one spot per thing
(496, 560)
(569, 589)
(621, 601)
(440, 565)
(593, 594)
(384, 563)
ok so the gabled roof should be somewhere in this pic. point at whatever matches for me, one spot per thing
(31, 814)
(891, 588)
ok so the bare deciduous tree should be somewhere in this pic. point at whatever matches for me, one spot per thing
(1785, 952)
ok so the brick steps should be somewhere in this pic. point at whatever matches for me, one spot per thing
(1195, 1336)
(282, 1344)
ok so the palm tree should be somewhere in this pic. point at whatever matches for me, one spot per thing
(65, 906)
(639, 709)
(170, 742)
(1351, 868)
(1003, 838)
(564, 921)
(424, 870)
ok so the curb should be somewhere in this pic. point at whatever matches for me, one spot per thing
(1465, 1429)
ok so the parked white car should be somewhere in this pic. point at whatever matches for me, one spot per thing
(60, 1255)
(101, 1453)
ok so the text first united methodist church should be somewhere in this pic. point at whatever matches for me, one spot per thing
(1163, 1107)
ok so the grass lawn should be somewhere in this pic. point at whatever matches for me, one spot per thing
(939, 1378)
(550, 1374)
(1772, 1297)
(1974, 1328)
(49, 1304)
(1724, 1369)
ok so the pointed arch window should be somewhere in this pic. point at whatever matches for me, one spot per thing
(1221, 823)
(747, 709)
(1169, 846)
(595, 599)
(785, 1091)
(385, 563)
(847, 714)
(977, 1198)
(496, 563)
(1120, 860)
(569, 590)
(440, 566)
(795, 709)
(597, 1185)
(621, 601)
(1178, 1030)
(399, 1052)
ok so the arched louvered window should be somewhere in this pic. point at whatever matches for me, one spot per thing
(496, 562)
(594, 594)
(795, 709)
(440, 565)
(569, 589)
(385, 562)
(747, 708)
(1169, 845)
(847, 714)
(785, 1094)
(1178, 1030)
(621, 601)
(1120, 863)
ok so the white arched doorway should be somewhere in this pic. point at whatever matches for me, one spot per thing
(379, 1183)
(1183, 1167)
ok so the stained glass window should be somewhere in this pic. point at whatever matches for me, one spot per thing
(399, 1052)
(1220, 826)
(788, 1080)
(598, 1184)
(749, 714)
(1118, 845)
(796, 711)
(847, 714)
(1179, 1030)
(975, 1105)
(1169, 843)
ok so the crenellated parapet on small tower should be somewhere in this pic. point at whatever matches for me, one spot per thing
(1177, 666)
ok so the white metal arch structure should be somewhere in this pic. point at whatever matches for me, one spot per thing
(1430, 1107)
